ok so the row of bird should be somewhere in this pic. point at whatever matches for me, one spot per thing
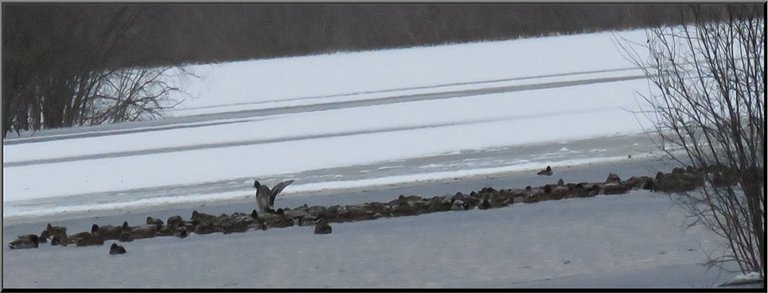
(265, 201)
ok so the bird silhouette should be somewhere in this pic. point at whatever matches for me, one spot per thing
(116, 249)
(265, 197)
(546, 172)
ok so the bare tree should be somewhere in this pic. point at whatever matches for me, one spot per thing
(62, 67)
(130, 94)
(707, 105)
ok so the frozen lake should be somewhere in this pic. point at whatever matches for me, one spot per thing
(354, 127)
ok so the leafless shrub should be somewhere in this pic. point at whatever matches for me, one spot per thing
(131, 94)
(706, 105)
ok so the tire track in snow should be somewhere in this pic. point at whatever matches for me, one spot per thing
(291, 138)
(182, 122)
(412, 88)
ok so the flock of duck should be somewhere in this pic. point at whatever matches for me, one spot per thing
(320, 216)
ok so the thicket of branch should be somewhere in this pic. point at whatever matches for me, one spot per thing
(707, 106)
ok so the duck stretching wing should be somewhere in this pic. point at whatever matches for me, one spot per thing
(276, 190)
(262, 197)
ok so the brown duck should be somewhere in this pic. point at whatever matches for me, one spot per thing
(24, 241)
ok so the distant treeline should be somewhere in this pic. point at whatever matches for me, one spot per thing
(200, 33)
(61, 61)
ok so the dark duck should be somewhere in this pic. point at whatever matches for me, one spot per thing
(547, 171)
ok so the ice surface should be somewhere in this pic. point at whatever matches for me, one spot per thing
(632, 240)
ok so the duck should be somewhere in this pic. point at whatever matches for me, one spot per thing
(56, 231)
(157, 222)
(125, 236)
(547, 172)
(485, 203)
(265, 197)
(204, 228)
(25, 241)
(116, 249)
(175, 224)
(322, 227)
(44, 236)
(198, 218)
(86, 239)
(57, 240)
(107, 232)
(459, 205)
(612, 177)
(143, 231)
(235, 224)
(181, 232)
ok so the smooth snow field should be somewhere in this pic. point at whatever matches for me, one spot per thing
(355, 127)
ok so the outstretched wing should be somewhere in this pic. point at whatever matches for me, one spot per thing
(277, 189)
